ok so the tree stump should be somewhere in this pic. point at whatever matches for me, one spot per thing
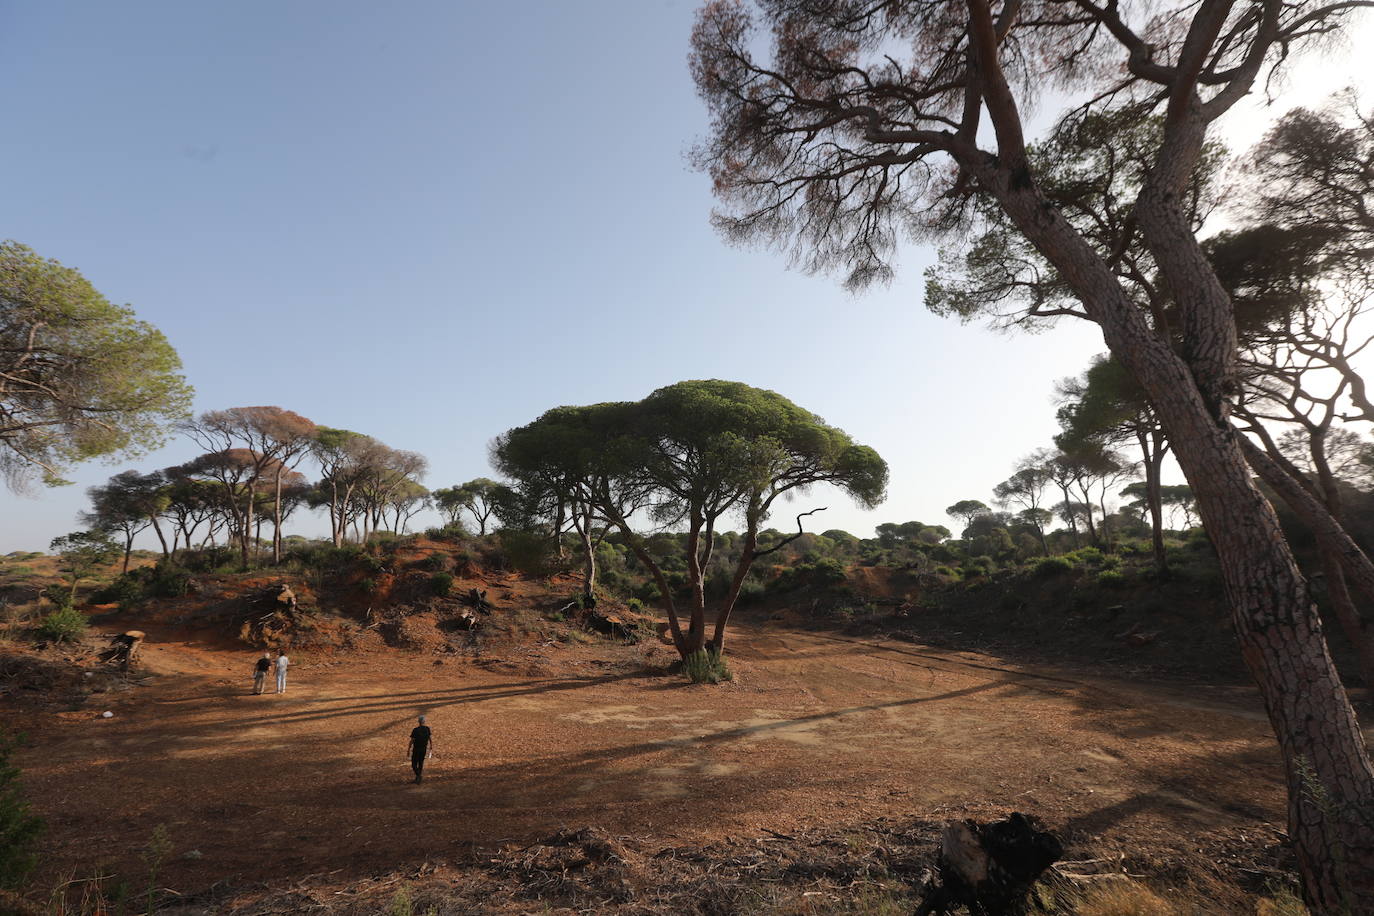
(477, 599)
(989, 868)
(124, 648)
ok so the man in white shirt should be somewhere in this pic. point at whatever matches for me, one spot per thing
(282, 664)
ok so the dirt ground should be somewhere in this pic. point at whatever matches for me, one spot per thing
(816, 730)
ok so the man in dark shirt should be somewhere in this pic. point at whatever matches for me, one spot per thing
(260, 672)
(421, 746)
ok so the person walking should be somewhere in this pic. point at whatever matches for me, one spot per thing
(282, 664)
(421, 746)
(260, 670)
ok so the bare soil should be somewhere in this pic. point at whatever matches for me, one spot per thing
(818, 732)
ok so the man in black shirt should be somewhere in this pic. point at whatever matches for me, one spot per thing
(260, 672)
(421, 746)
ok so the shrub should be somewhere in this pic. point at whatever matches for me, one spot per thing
(752, 590)
(1087, 555)
(944, 571)
(19, 830)
(634, 604)
(822, 573)
(1052, 566)
(368, 585)
(63, 625)
(706, 667)
(972, 572)
(1111, 562)
(528, 552)
(441, 583)
(168, 581)
(1110, 578)
(439, 562)
(125, 591)
(371, 562)
(60, 595)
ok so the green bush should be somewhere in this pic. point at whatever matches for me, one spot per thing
(441, 583)
(751, 590)
(125, 591)
(528, 552)
(19, 830)
(706, 667)
(972, 572)
(323, 555)
(168, 580)
(823, 572)
(1051, 566)
(439, 562)
(1110, 578)
(944, 571)
(63, 625)
(60, 595)
(634, 604)
(1089, 556)
(452, 532)
(1111, 562)
(368, 585)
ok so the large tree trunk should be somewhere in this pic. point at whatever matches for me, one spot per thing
(1330, 781)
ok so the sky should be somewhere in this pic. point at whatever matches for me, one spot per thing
(432, 221)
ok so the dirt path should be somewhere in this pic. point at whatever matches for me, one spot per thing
(816, 729)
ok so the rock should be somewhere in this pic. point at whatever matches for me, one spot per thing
(107, 715)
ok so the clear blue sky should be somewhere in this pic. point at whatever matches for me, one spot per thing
(430, 222)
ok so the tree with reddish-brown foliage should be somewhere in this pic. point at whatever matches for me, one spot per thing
(257, 445)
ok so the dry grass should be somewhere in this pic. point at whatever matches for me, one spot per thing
(1123, 897)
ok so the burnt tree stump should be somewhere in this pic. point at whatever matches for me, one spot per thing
(989, 868)
(124, 648)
